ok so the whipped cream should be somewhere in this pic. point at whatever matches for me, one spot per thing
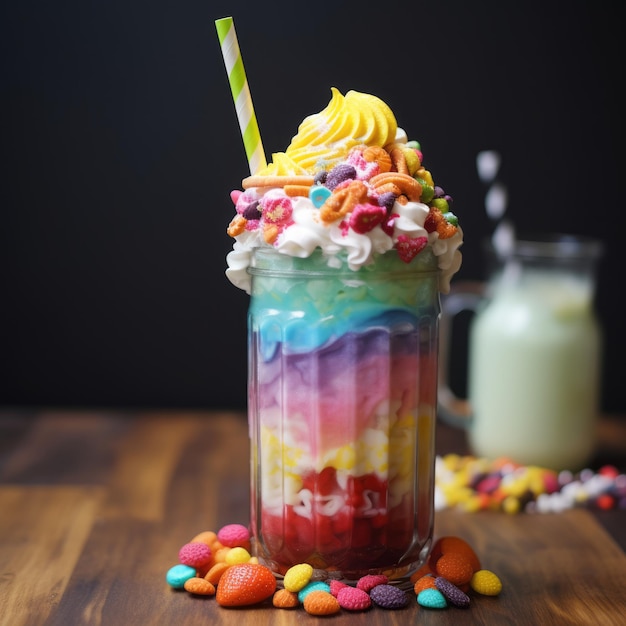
(308, 233)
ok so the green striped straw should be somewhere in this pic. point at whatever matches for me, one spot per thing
(241, 94)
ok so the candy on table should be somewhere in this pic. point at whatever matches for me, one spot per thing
(245, 584)
(321, 602)
(353, 599)
(452, 593)
(388, 597)
(236, 579)
(470, 484)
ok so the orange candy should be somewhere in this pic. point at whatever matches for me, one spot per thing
(215, 573)
(425, 582)
(206, 536)
(284, 599)
(319, 602)
(455, 567)
(451, 543)
(199, 587)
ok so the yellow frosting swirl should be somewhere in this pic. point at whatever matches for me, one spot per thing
(325, 138)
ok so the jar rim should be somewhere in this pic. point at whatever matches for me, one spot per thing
(268, 261)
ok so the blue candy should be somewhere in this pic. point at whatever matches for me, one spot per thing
(318, 195)
(315, 585)
(177, 575)
(431, 599)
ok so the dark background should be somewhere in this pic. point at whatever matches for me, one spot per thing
(120, 146)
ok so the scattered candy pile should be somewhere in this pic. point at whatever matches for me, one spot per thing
(475, 484)
(219, 564)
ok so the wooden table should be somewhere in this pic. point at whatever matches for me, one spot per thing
(94, 506)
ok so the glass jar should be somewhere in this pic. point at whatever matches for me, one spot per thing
(535, 348)
(342, 407)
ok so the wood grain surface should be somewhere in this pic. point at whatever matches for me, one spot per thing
(94, 506)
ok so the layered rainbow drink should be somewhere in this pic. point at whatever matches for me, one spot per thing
(344, 244)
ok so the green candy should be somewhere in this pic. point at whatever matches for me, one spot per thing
(451, 218)
(441, 204)
(427, 191)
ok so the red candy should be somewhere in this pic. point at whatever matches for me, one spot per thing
(409, 247)
(336, 586)
(367, 583)
(366, 216)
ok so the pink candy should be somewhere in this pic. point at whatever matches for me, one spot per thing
(233, 535)
(353, 599)
(195, 554)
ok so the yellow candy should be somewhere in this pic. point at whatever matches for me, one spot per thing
(486, 583)
(297, 577)
(511, 505)
(425, 175)
(237, 555)
(412, 160)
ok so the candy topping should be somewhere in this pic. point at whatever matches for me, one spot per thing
(351, 185)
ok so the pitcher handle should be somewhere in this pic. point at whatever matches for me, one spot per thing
(463, 296)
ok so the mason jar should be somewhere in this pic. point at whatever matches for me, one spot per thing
(342, 396)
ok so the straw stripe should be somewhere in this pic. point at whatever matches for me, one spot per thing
(241, 94)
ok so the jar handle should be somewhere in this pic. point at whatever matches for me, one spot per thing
(463, 296)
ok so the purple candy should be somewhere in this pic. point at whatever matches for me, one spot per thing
(389, 597)
(339, 173)
(252, 211)
(452, 593)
